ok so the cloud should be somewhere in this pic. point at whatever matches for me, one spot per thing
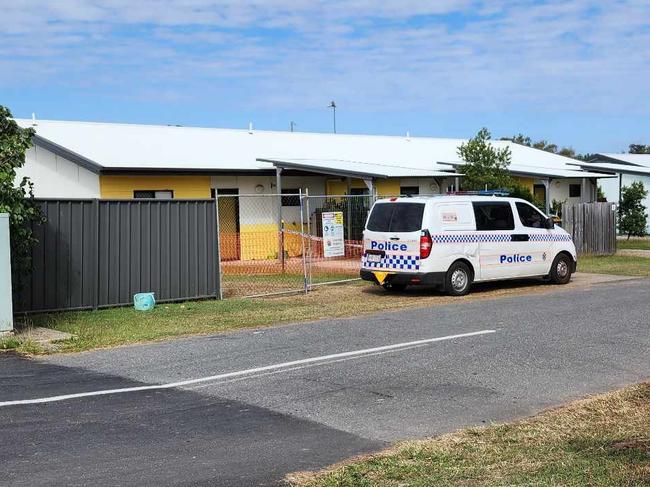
(553, 56)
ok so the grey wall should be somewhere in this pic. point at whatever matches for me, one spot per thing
(98, 253)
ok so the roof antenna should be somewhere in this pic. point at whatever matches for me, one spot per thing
(408, 135)
(34, 122)
(250, 127)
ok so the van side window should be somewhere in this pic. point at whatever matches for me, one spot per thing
(529, 216)
(493, 216)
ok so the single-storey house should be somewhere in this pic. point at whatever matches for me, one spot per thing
(628, 167)
(123, 161)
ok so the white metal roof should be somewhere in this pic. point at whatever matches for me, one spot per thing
(569, 171)
(357, 168)
(634, 159)
(615, 168)
(159, 147)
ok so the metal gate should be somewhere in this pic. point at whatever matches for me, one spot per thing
(277, 243)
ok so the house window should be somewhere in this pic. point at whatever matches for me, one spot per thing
(358, 191)
(163, 194)
(575, 190)
(293, 199)
(409, 190)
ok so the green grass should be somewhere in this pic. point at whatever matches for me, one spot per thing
(120, 326)
(601, 441)
(23, 345)
(634, 243)
(621, 265)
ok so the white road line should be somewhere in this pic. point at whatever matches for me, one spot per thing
(256, 370)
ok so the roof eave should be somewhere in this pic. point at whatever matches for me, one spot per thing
(67, 154)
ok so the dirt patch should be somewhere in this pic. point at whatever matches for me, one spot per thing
(642, 444)
(364, 297)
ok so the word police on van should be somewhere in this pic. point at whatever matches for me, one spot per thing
(452, 241)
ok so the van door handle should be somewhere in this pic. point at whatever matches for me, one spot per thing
(520, 237)
(394, 238)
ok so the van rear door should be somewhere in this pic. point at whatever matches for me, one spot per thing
(391, 240)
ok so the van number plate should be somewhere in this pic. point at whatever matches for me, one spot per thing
(373, 257)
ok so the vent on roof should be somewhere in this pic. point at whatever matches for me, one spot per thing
(250, 127)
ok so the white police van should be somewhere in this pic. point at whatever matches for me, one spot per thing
(452, 241)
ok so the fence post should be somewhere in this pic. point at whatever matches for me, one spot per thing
(217, 247)
(97, 256)
(302, 240)
(309, 249)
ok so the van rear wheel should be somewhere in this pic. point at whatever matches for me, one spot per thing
(458, 279)
(561, 269)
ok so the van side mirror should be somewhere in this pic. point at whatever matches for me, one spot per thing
(550, 224)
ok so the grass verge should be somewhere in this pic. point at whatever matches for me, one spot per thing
(600, 441)
(120, 326)
(634, 243)
(621, 265)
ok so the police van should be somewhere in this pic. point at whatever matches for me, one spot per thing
(453, 241)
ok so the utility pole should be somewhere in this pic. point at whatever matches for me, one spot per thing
(292, 124)
(332, 105)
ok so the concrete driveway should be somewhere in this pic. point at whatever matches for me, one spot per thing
(245, 408)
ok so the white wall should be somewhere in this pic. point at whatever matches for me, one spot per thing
(559, 190)
(610, 188)
(56, 177)
(261, 209)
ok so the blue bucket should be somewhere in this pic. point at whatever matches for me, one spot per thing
(144, 301)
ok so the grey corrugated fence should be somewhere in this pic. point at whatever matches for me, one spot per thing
(98, 253)
(592, 226)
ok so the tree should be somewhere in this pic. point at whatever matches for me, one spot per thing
(633, 220)
(485, 166)
(639, 149)
(17, 199)
(544, 145)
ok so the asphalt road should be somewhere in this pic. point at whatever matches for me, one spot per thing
(252, 428)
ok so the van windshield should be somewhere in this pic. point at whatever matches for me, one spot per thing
(396, 217)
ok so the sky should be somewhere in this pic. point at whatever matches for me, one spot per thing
(574, 72)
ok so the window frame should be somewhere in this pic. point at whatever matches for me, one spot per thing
(411, 193)
(392, 207)
(535, 209)
(153, 194)
(574, 186)
(290, 197)
(506, 204)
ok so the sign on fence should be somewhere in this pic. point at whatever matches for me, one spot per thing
(333, 239)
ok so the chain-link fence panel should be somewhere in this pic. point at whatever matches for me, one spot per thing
(261, 245)
(334, 236)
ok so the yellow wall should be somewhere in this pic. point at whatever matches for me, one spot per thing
(122, 187)
(387, 187)
(526, 182)
(261, 241)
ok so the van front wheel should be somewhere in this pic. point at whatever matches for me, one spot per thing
(458, 279)
(561, 269)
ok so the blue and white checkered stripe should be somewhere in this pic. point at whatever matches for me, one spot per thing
(408, 262)
(541, 237)
(446, 238)
(472, 238)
